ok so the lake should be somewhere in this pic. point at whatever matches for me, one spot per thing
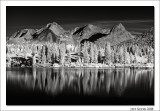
(79, 86)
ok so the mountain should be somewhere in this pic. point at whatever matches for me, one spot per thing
(21, 36)
(89, 32)
(146, 38)
(117, 35)
(52, 32)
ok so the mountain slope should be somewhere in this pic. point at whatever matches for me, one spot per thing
(52, 32)
(117, 35)
(87, 31)
(22, 36)
(146, 38)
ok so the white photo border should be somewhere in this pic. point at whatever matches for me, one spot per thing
(3, 105)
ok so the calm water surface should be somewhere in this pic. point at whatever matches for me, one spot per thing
(79, 86)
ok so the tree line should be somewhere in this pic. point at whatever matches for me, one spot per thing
(85, 53)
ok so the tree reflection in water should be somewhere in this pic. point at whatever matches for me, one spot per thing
(81, 80)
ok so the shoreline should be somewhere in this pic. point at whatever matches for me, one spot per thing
(90, 65)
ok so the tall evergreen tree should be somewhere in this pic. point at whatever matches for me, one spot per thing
(121, 55)
(92, 53)
(108, 53)
(150, 54)
(127, 60)
(113, 56)
(95, 53)
(43, 55)
(62, 53)
(86, 57)
(116, 58)
(49, 53)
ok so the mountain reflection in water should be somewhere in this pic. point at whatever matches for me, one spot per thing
(82, 81)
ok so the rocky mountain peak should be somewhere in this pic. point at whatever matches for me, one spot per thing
(120, 25)
(55, 28)
(90, 25)
(117, 35)
(118, 28)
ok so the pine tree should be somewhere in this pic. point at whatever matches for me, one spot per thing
(49, 53)
(126, 55)
(53, 53)
(113, 56)
(108, 53)
(43, 55)
(150, 54)
(39, 52)
(116, 58)
(62, 53)
(57, 52)
(127, 61)
(121, 55)
(92, 53)
(86, 56)
(95, 53)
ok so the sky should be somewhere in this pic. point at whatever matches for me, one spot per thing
(134, 18)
